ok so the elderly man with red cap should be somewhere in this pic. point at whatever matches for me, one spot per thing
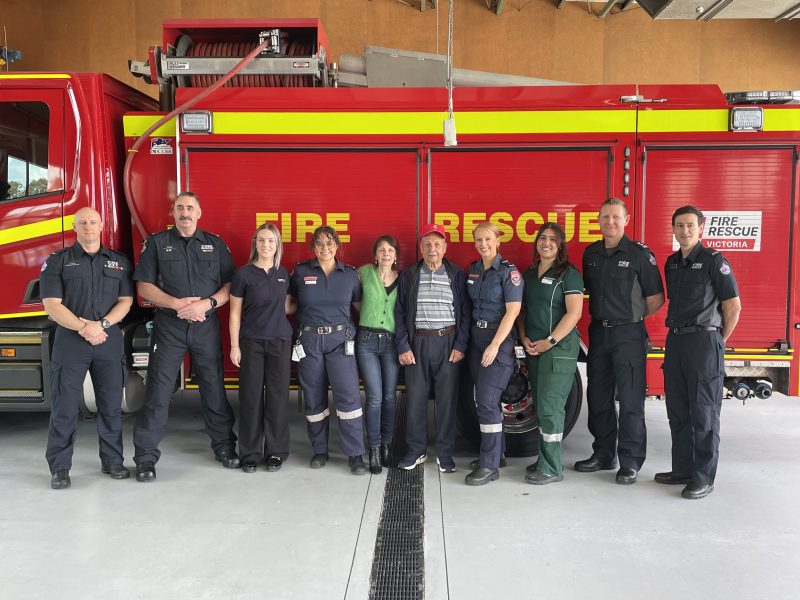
(432, 317)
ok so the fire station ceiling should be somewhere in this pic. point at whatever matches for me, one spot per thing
(705, 10)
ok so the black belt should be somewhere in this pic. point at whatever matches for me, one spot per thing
(436, 332)
(485, 324)
(376, 331)
(324, 329)
(609, 323)
(692, 329)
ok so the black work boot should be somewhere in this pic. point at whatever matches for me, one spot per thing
(375, 460)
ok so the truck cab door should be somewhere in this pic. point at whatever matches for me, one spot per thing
(32, 186)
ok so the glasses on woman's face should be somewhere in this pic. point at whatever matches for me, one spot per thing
(322, 245)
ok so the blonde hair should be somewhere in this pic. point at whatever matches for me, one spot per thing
(279, 242)
(489, 226)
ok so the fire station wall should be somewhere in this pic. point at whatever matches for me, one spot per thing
(530, 38)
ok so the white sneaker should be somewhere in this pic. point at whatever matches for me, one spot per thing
(409, 466)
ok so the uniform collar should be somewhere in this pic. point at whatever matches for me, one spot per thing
(495, 262)
(78, 250)
(698, 248)
(339, 264)
(175, 234)
(622, 246)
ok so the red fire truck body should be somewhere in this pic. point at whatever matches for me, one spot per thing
(372, 161)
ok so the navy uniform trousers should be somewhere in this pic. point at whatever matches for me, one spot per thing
(433, 369)
(172, 338)
(71, 359)
(616, 366)
(694, 370)
(325, 361)
(490, 383)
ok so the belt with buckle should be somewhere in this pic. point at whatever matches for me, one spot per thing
(485, 324)
(376, 331)
(324, 329)
(692, 329)
(436, 332)
(610, 323)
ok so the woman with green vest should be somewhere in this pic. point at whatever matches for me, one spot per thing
(376, 350)
(552, 303)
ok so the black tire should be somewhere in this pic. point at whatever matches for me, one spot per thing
(520, 425)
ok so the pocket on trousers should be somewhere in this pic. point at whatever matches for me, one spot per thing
(638, 372)
(564, 364)
(709, 390)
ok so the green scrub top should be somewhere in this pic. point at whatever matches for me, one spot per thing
(543, 299)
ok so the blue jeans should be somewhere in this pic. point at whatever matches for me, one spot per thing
(379, 367)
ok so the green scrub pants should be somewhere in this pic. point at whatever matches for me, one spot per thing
(550, 376)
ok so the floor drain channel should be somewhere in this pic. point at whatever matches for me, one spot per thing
(398, 567)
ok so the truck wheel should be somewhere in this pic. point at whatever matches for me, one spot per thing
(520, 425)
(132, 395)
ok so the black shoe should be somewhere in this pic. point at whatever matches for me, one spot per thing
(117, 471)
(228, 458)
(375, 460)
(446, 465)
(477, 463)
(532, 468)
(318, 460)
(274, 462)
(60, 480)
(695, 491)
(146, 471)
(539, 478)
(481, 476)
(593, 463)
(356, 464)
(673, 478)
(626, 476)
(249, 466)
(385, 455)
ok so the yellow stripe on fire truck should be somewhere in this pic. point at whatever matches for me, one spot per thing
(35, 230)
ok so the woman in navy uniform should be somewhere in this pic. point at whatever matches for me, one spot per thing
(326, 289)
(376, 348)
(261, 340)
(552, 305)
(495, 287)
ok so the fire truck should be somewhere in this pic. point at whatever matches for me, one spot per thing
(254, 118)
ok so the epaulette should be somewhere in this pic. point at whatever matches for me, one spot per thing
(305, 262)
(348, 266)
(711, 251)
(642, 245)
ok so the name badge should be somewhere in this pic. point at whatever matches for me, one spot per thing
(206, 247)
(310, 280)
(547, 280)
(297, 352)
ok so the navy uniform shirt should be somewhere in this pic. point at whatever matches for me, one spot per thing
(89, 286)
(696, 287)
(324, 299)
(182, 267)
(619, 279)
(264, 302)
(491, 288)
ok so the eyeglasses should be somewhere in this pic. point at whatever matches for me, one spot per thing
(324, 244)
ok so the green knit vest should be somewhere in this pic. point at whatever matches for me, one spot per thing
(377, 307)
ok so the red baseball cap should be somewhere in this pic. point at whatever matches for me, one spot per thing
(432, 228)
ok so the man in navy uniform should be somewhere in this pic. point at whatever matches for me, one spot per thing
(186, 273)
(432, 317)
(87, 289)
(624, 285)
(703, 311)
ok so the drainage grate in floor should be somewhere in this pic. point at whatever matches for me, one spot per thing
(398, 567)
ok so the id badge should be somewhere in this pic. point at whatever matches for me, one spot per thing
(349, 347)
(298, 352)
(519, 351)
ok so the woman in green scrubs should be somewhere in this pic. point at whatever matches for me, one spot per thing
(552, 303)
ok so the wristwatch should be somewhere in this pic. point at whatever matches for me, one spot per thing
(105, 324)
(552, 340)
(213, 302)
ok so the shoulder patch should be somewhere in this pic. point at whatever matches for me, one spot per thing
(725, 269)
(653, 260)
(515, 277)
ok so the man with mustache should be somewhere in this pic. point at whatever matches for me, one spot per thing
(186, 273)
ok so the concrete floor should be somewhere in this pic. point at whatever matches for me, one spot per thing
(203, 532)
